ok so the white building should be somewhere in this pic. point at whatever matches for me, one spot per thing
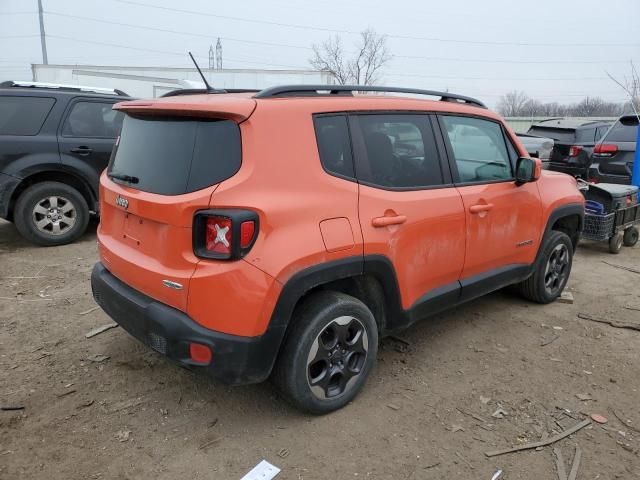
(150, 82)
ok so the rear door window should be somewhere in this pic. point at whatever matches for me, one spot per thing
(176, 155)
(334, 144)
(92, 120)
(23, 115)
(600, 131)
(585, 135)
(479, 149)
(624, 130)
(399, 151)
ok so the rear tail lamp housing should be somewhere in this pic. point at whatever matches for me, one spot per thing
(605, 149)
(224, 234)
(574, 150)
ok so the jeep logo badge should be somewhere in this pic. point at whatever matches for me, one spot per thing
(122, 202)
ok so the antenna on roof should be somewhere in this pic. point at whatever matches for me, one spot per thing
(209, 88)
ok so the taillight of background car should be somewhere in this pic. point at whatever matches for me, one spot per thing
(605, 150)
(574, 150)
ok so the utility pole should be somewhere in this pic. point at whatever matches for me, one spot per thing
(219, 55)
(43, 40)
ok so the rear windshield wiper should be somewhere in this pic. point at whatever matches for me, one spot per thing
(123, 177)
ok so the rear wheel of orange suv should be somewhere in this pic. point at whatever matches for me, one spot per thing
(329, 352)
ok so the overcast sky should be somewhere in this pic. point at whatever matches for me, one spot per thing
(553, 50)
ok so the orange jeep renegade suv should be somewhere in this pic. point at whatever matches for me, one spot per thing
(283, 232)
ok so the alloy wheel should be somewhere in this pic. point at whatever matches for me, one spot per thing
(54, 215)
(337, 357)
(556, 270)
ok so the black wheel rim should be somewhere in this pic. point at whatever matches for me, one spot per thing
(557, 269)
(337, 357)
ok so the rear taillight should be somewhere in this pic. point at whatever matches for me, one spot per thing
(218, 235)
(574, 150)
(605, 149)
(224, 234)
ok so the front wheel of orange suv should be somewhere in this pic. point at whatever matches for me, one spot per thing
(328, 353)
(551, 270)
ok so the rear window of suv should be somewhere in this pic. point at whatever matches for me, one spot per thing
(562, 135)
(176, 155)
(624, 130)
(23, 115)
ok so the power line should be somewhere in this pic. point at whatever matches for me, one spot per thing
(166, 30)
(523, 62)
(129, 47)
(351, 32)
(457, 77)
(18, 36)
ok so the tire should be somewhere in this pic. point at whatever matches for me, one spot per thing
(69, 210)
(326, 323)
(630, 237)
(551, 270)
(616, 242)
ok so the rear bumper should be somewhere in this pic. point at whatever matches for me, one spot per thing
(235, 359)
(595, 173)
(573, 170)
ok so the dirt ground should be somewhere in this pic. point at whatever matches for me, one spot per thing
(425, 413)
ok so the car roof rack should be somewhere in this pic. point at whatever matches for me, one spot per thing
(329, 90)
(197, 91)
(60, 86)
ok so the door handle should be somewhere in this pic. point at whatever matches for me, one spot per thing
(386, 221)
(81, 150)
(483, 207)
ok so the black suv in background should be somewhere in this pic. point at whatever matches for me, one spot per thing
(574, 141)
(612, 158)
(55, 140)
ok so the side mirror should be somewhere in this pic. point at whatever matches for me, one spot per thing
(528, 170)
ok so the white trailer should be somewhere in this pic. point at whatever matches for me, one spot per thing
(151, 82)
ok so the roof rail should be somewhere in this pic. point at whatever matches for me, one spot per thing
(60, 86)
(317, 90)
(196, 91)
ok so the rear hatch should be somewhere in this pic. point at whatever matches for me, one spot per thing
(616, 158)
(563, 138)
(165, 166)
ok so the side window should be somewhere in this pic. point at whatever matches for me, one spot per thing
(23, 115)
(479, 149)
(334, 145)
(624, 130)
(92, 119)
(600, 131)
(513, 153)
(399, 151)
(585, 135)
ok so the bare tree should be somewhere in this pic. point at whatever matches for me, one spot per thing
(631, 86)
(588, 107)
(513, 104)
(363, 68)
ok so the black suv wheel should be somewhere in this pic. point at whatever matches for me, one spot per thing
(51, 213)
(551, 271)
(328, 354)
